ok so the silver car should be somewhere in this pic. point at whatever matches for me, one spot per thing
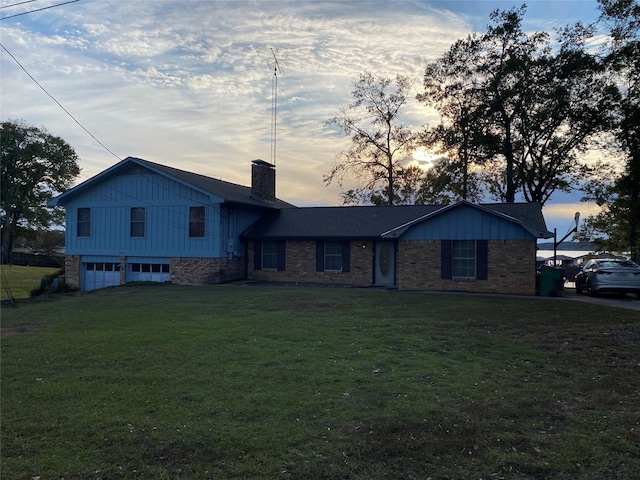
(608, 275)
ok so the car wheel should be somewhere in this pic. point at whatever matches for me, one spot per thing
(590, 291)
(578, 288)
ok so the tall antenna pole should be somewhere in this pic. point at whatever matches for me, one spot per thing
(274, 107)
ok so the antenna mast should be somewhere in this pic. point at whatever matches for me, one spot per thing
(274, 106)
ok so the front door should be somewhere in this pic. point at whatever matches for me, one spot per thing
(385, 263)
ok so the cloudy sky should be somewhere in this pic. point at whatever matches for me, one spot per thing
(188, 83)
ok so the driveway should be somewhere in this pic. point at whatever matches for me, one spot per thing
(629, 302)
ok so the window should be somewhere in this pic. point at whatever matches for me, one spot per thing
(464, 259)
(84, 222)
(333, 256)
(137, 222)
(150, 267)
(196, 222)
(269, 255)
(148, 272)
(102, 267)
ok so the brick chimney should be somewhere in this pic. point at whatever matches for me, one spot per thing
(263, 180)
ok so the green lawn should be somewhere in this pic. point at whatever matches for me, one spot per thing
(251, 382)
(21, 280)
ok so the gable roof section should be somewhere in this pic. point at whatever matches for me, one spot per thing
(229, 192)
(378, 221)
(527, 215)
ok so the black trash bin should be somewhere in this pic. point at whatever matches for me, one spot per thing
(551, 281)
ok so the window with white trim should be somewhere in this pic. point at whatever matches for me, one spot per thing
(137, 221)
(196, 222)
(84, 222)
(464, 259)
(332, 256)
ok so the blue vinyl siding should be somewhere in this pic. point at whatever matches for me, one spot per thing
(466, 223)
(166, 204)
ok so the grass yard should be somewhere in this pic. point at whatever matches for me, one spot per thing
(247, 382)
(21, 280)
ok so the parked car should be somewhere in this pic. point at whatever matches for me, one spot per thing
(608, 275)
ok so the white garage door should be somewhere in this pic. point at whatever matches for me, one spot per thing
(100, 275)
(148, 272)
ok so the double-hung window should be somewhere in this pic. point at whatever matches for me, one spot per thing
(84, 222)
(269, 255)
(196, 222)
(137, 221)
(464, 259)
(333, 256)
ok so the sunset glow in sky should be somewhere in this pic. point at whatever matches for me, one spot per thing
(189, 83)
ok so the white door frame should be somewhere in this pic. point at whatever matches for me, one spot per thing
(385, 263)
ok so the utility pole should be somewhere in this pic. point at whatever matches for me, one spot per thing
(576, 219)
(274, 107)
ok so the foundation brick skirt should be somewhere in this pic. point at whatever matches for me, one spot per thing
(198, 271)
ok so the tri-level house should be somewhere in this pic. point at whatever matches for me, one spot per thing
(142, 221)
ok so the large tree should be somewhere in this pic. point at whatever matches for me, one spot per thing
(34, 166)
(448, 181)
(617, 227)
(519, 108)
(380, 141)
(461, 137)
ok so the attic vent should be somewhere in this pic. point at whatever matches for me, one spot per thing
(263, 180)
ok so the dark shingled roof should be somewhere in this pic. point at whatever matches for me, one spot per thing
(287, 221)
(374, 221)
(230, 192)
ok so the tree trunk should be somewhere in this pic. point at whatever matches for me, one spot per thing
(465, 154)
(510, 193)
(390, 186)
(634, 227)
(6, 235)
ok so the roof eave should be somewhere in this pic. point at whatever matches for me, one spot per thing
(60, 199)
(400, 230)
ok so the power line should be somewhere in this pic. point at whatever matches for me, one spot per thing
(16, 4)
(116, 191)
(175, 224)
(58, 103)
(37, 9)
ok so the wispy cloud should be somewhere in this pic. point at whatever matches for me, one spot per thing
(189, 83)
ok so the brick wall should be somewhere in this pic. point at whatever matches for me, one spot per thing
(300, 265)
(72, 271)
(511, 268)
(123, 270)
(199, 271)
